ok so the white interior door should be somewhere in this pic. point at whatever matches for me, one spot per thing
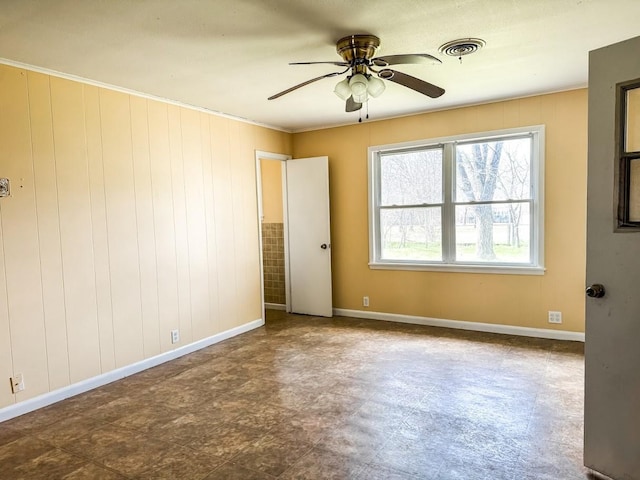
(309, 236)
(612, 348)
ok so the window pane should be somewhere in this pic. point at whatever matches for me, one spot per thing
(634, 191)
(493, 233)
(495, 170)
(411, 234)
(632, 121)
(411, 178)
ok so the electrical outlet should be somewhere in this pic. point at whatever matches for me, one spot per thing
(365, 301)
(17, 383)
(555, 317)
(175, 336)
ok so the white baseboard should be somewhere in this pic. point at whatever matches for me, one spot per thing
(94, 382)
(462, 325)
(275, 306)
(597, 475)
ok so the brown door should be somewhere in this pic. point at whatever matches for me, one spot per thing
(612, 349)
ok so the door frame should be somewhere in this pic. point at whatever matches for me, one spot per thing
(262, 155)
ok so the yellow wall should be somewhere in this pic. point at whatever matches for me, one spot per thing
(128, 218)
(271, 179)
(501, 299)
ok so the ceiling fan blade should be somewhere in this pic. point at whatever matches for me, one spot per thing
(412, 58)
(295, 87)
(339, 64)
(413, 83)
(352, 106)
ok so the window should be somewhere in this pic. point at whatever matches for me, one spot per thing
(628, 155)
(465, 203)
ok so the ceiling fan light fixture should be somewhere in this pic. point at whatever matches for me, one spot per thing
(358, 84)
(375, 87)
(343, 90)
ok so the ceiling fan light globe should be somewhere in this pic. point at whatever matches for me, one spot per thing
(358, 84)
(375, 87)
(361, 98)
(343, 90)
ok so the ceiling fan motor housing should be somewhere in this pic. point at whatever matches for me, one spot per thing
(356, 49)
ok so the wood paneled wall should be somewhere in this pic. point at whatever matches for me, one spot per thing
(128, 218)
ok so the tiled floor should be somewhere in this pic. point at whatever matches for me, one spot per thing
(309, 398)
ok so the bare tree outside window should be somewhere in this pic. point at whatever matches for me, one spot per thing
(478, 176)
(494, 171)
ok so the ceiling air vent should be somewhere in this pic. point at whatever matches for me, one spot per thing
(464, 46)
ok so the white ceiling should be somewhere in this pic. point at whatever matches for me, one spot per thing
(230, 55)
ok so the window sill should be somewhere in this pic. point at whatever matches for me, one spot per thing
(459, 268)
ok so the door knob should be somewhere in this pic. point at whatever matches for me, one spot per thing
(323, 246)
(595, 291)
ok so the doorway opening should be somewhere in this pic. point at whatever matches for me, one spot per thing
(271, 178)
(295, 233)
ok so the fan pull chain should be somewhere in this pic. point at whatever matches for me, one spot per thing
(360, 113)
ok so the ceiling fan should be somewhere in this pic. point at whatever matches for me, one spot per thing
(364, 80)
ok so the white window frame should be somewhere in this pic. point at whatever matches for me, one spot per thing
(448, 264)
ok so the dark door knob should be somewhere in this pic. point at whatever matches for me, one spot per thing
(595, 291)
(323, 246)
